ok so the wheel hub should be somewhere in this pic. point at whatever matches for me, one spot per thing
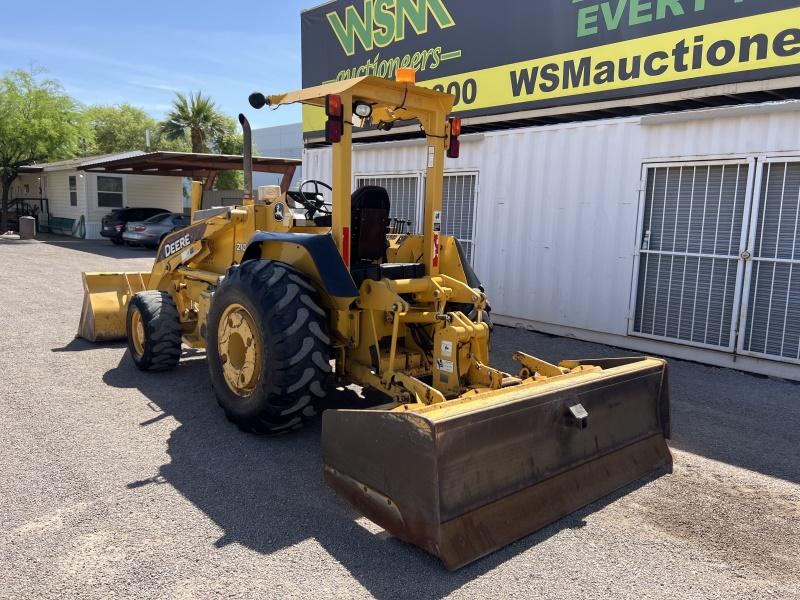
(239, 347)
(137, 332)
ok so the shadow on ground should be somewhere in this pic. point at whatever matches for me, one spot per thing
(97, 247)
(81, 345)
(268, 494)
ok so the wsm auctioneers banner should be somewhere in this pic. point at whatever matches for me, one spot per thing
(501, 56)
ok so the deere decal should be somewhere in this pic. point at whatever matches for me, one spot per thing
(507, 55)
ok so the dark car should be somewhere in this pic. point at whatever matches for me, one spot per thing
(151, 231)
(113, 224)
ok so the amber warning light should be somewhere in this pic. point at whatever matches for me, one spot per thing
(406, 75)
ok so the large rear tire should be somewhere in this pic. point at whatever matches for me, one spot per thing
(268, 349)
(154, 331)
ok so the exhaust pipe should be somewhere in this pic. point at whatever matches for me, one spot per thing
(248, 158)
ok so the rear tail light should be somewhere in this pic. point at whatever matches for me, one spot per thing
(454, 147)
(335, 112)
(119, 227)
(333, 131)
(139, 228)
(333, 105)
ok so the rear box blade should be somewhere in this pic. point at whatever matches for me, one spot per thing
(463, 482)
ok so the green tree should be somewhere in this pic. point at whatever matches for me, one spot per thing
(38, 122)
(196, 117)
(209, 130)
(124, 127)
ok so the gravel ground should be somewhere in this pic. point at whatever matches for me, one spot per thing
(115, 483)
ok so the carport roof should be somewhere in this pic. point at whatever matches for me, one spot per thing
(187, 164)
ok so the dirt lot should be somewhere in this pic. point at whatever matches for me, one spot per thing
(115, 483)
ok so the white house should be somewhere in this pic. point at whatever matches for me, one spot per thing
(72, 201)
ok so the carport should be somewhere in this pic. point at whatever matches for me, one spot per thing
(194, 166)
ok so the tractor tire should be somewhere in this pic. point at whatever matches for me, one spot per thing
(154, 331)
(268, 347)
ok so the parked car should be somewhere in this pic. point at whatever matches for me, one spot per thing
(113, 224)
(151, 231)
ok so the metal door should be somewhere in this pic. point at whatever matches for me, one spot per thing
(770, 313)
(689, 268)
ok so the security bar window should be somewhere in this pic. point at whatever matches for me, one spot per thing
(458, 210)
(404, 197)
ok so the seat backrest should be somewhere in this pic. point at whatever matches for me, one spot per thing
(370, 206)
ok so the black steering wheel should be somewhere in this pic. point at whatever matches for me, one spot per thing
(315, 202)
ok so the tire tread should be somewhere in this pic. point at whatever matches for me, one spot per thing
(163, 331)
(296, 346)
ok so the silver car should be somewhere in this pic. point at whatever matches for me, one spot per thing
(149, 233)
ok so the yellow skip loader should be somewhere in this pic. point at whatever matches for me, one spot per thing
(462, 458)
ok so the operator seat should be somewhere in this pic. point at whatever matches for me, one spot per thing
(369, 223)
(369, 220)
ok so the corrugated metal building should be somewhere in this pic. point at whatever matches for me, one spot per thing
(631, 173)
(673, 233)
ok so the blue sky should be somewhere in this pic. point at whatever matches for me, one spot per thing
(112, 51)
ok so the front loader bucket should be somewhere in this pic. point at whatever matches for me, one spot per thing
(466, 477)
(105, 304)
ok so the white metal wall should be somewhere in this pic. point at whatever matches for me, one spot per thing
(557, 218)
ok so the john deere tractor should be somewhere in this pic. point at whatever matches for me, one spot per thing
(298, 290)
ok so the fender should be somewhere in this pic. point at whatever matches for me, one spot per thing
(316, 255)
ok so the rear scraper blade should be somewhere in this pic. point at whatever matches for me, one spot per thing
(464, 478)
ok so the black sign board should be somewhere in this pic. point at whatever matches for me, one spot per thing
(503, 56)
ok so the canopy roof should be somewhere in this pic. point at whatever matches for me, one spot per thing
(189, 164)
(374, 90)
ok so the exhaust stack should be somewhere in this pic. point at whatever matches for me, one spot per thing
(248, 159)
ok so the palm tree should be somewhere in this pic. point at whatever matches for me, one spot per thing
(196, 114)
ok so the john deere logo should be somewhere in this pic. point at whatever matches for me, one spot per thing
(384, 22)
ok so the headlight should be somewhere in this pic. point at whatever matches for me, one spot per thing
(362, 109)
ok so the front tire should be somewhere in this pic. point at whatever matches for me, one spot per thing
(154, 331)
(268, 350)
